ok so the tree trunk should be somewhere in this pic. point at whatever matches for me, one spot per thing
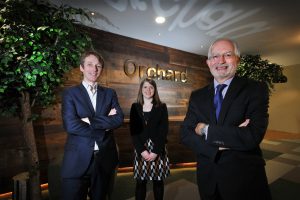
(28, 132)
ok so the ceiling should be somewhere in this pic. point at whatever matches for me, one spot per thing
(270, 28)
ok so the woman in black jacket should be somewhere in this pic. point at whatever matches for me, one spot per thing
(149, 128)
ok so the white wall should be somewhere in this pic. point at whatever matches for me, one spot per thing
(284, 107)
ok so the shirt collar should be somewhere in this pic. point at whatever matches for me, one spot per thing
(86, 85)
(227, 82)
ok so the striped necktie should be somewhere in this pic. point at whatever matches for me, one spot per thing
(93, 89)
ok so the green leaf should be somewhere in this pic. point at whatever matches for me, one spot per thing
(35, 71)
(252, 66)
(42, 28)
(37, 47)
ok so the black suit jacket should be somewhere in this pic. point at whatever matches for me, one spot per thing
(156, 129)
(81, 138)
(235, 170)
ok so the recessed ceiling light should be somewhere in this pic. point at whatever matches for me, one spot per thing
(160, 20)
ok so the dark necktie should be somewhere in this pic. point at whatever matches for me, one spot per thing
(218, 99)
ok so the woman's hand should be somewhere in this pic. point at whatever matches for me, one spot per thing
(149, 156)
(152, 156)
(145, 154)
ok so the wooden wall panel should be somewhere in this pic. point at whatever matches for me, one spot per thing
(116, 50)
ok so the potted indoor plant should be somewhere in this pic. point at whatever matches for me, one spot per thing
(39, 43)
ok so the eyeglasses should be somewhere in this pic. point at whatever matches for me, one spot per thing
(227, 55)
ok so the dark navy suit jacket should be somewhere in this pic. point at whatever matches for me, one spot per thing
(239, 172)
(81, 138)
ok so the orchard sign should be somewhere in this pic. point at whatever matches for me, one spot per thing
(131, 69)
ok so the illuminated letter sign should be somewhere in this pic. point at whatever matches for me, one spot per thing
(131, 68)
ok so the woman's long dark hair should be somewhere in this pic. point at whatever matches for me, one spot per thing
(156, 100)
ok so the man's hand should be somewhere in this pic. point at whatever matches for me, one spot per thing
(245, 123)
(113, 111)
(199, 127)
(86, 120)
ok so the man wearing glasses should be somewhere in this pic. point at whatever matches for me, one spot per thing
(224, 125)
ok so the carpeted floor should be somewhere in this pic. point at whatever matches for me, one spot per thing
(282, 165)
(281, 152)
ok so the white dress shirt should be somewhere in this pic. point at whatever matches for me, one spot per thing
(93, 98)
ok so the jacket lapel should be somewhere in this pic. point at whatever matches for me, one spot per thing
(100, 98)
(86, 97)
(211, 94)
(139, 109)
(141, 113)
(234, 89)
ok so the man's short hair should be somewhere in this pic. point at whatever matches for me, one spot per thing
(94, 53)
